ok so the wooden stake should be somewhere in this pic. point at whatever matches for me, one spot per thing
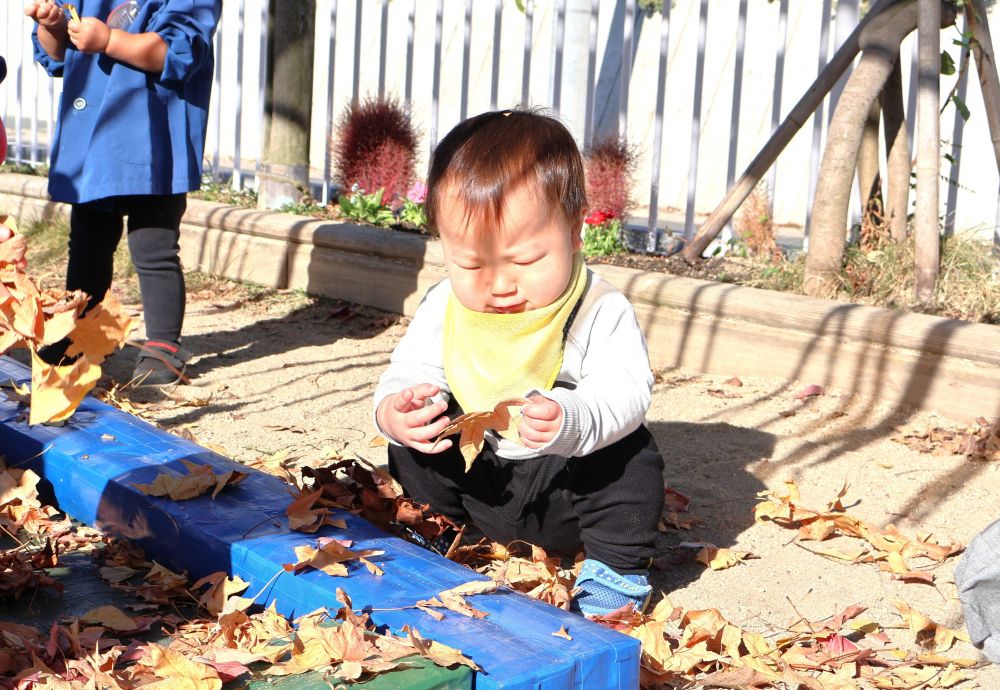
(841, 60)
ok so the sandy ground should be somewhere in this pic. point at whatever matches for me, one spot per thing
(290, 374)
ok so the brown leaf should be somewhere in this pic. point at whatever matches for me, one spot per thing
(809, 392)
(328, 557)
(720, 559)
(474, 425)
(199, 480)
(174, 670)
(220, 589)
(929, 634)
(302, 516)
(440, 654)
(56, 391)
(733, 382)
(100, 331)
(563, 632)
(110, 617)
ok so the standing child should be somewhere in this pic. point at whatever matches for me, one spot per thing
(520, 315)
(137, 76)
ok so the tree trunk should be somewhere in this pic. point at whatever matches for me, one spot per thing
(926, 228)
(284, 168)
(868, 175)
(880, 48)
(841, 60)
(986, 67)
(897, 146)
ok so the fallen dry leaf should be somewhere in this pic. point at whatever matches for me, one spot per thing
(809, 392)
(302, 516)
(199, 480)
(474, 425)
(563, 633)
(329, 557)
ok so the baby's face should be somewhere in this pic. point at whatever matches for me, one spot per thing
(525, 264)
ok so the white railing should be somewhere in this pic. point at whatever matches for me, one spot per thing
(705, 85)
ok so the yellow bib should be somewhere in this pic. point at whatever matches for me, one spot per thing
(492, 357)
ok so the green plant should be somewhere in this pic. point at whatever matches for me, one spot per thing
(413, 214)
(223, 193)
(604, 239)
(366, 208)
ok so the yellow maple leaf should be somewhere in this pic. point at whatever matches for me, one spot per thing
(100, 331)
(57, 391)
(221, 588)
(474, 425)
(110, 617)
(174, 671)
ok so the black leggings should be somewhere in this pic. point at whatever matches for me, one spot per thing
(153, 232)
(610, 501)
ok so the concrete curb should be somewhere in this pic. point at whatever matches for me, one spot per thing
(907, 360)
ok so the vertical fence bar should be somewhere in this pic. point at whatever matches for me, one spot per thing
(661, 88)
(50, 129)
(262, 85)
(817, 140)
(734, 117)
(957, 133)
(34, 117)
(628, 26)
(383, 38)
(19, 103)
(238, 128)
(466, 42)
(436, 84)
(559, 39)
(356, 87)
(699, 79)
(779, 80)
(847, 19)
(411, 28)
(588, 118)
(495, 79)
(217, 97)
(529, 9)
(911, 99)
(328, 157)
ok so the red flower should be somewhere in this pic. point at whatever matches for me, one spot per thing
(598, 217)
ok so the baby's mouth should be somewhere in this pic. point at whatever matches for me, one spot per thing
(511, 309)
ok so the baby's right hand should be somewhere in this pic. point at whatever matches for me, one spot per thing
(406, 418)
(46, 13)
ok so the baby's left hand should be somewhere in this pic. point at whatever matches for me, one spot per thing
(541, 420)
(89, 35)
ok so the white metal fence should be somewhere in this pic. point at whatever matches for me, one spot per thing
(698, 89)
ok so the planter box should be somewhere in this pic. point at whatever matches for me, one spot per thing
(907, 360)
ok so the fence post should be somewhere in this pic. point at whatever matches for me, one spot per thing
(926, 232)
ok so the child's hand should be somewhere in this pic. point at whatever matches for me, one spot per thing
(46, 13)
(541, 420)
(89, 35)
(406, 419)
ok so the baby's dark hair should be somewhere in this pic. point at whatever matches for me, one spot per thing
(486, 156)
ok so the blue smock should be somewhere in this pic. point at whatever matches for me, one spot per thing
(123, 131)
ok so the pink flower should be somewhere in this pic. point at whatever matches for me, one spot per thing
(417, 192)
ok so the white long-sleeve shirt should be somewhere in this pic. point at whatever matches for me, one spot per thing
(604, 385)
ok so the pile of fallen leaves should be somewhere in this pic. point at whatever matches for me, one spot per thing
(978, 441)
(887, 546)
(32, 318)
(230, 638)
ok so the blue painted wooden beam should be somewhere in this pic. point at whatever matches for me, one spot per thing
(89, 467)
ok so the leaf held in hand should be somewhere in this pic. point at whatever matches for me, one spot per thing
(474, 425)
